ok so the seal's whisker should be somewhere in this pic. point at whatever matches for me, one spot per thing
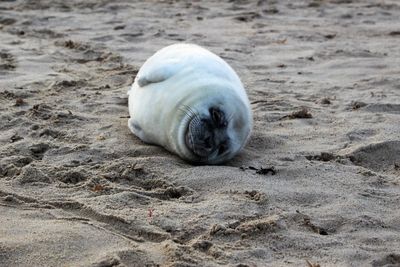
(188, 114)
(185, 109)
(191, 113)
(230, 117)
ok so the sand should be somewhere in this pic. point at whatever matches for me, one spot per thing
(319, 180)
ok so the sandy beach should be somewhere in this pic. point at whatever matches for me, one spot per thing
(318, 183)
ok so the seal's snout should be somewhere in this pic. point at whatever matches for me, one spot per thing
(208, 136)
(199, 137)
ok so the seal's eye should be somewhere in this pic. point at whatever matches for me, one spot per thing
(218, 117)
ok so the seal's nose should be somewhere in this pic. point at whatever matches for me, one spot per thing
(223, 146)
(200, 137)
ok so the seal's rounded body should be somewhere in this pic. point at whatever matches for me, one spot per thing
(192, 103)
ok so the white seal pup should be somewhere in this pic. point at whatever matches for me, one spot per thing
(191, 102)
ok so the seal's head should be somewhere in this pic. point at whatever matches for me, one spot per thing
(208, 135)
(216, 134)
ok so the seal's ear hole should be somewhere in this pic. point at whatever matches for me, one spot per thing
(217, 116)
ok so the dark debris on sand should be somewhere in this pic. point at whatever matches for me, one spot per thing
(304, 113)
(261, 170)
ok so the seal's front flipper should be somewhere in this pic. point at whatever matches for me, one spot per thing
(155, 72)
(137, 130)
(134, 127)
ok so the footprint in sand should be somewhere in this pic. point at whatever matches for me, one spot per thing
(380, 157)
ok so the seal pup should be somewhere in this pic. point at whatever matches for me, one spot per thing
(191, 102)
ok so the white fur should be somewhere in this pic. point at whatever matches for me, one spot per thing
(186, 75)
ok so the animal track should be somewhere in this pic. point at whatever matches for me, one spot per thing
(32, 174)
(10, 166)
(361, 134)
(41, 111)
(7, 61)
(135, 175)
(73, 177)
(384, 108)
(390, 260)
(383, 157)
(38, 150)
(249, 226)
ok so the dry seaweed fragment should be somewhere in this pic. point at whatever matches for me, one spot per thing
(304, 113)
(330, 36)
(72, 45)
(394, 33)
(15, 138)
(255, 195)
(326, 101)
(98, 188)
(19, 102)
(119, 27)
(313, 227)
(265, 171)
(324, 156)
(261, 170)
(310, 264)
(357, 105)
(282, 41)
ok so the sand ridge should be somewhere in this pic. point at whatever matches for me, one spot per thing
(78, 189)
